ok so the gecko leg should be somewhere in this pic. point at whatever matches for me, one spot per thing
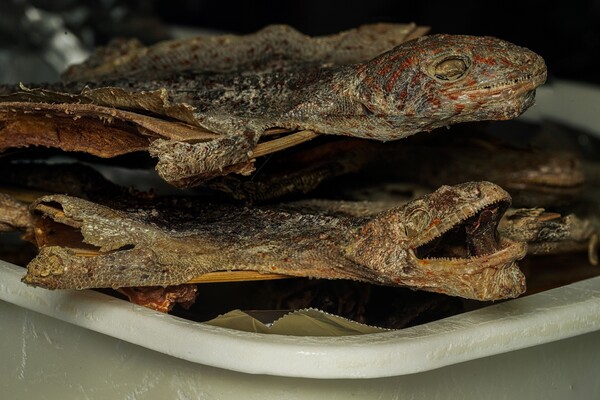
(183, 164)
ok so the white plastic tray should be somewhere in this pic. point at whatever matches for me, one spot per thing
(545, 317)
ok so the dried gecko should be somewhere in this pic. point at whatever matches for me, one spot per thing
(422, 84)
(414, 245)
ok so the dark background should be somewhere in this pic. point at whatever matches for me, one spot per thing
(565, 33)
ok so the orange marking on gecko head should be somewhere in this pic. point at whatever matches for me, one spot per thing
(402, 97)
(369, 81)
(484, 60)
(435, 222)
(434, 101)
(407, 63)
(390, 83)
(385, 69)
(470, 81)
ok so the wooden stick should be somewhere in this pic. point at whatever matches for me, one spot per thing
(282, 143)
(236, 276)
(275, 131)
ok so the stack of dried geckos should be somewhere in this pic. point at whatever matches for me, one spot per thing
(209, 110)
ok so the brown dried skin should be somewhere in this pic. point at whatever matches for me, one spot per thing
(98, 130)
(107, 132)
(420, 85)
(27, 124)
(272, 46)
(169, 245)
(75, 99)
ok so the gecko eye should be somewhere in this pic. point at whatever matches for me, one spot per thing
(416, 221)
(450, 69)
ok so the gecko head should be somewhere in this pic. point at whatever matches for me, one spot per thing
(446, 241)
(439, 80)
(456, 226)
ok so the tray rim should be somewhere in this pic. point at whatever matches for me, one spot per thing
(541, 318)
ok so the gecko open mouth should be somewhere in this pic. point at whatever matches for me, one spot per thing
(476, 236)
(468, 236)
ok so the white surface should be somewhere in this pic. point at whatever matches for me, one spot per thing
(546, 317)
(572, 103)
(45, 358)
